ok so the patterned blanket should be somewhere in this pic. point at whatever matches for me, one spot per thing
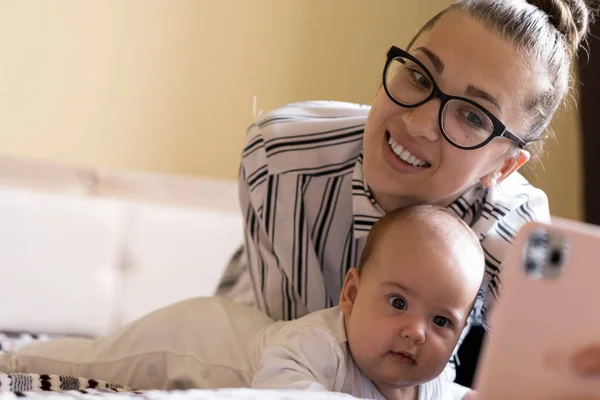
(55, 383)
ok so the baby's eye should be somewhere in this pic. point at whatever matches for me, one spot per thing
(397, 302)
(441, 321)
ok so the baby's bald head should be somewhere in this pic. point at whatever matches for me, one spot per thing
(431, 229)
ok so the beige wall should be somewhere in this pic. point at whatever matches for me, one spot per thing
(167, 85)
(560, 173)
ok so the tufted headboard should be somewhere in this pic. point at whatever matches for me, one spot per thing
(85, 250)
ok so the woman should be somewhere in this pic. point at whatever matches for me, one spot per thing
(460, 110)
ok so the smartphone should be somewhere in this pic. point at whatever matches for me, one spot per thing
(548, 308)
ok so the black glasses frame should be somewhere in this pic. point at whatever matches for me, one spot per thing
(499, 128)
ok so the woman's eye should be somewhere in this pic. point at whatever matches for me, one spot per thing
(473, 119)
(421, 79)
(441, 321)
(397, 302)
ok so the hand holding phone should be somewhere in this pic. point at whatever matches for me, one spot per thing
(548, 311)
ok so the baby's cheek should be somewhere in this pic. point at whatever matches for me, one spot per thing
(368, 344)
(444, 345)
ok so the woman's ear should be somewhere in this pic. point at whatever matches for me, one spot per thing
(510, 165)
(349, 291)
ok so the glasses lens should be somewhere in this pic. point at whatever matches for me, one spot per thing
(464, 124)
(406, 82)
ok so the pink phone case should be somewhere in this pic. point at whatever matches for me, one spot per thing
(544, 315)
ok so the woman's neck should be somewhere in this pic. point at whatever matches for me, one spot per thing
(389, 204)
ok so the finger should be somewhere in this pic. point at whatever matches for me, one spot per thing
(587, 361)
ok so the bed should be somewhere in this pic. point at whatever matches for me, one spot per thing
(86, 250)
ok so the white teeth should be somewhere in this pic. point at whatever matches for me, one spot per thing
(404, 155)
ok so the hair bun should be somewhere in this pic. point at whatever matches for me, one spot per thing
(570, 17)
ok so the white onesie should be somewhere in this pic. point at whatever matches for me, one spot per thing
(213, 343)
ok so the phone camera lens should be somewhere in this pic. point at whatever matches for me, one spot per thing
(556, 257)
(539, 239)
(531, 266)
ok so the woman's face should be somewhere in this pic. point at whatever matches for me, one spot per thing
(465, 59)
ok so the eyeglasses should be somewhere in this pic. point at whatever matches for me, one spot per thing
(463, 122)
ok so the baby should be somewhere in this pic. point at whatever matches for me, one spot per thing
(399, 318)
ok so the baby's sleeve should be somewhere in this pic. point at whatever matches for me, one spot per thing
(303, 358)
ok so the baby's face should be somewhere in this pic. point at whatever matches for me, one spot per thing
(410, 307)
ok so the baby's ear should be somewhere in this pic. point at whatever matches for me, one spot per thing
(349, 291)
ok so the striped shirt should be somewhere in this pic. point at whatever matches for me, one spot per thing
(308, 210)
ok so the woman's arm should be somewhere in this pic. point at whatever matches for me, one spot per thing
(253, 182)
(262, 206)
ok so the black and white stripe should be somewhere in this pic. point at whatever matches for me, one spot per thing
(308, 209)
